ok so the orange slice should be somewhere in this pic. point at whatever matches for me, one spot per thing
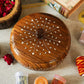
(41, 80)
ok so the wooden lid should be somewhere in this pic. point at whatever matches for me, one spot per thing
(40, 41)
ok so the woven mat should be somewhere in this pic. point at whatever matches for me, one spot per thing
(67, 68)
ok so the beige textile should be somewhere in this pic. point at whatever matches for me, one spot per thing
(67, 68)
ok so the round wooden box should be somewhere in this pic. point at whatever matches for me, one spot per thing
(40, 41)
(12, 17)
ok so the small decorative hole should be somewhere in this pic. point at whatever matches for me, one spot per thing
(33, 44)
(32, 20)
(41, 24)
(26, 22)
(24, 32)
(21, 29)
(55, 37)
(30, 36)
(24, 26)
(22, 42)
(30, 47)
(33, 26)
(49, 20)
(54, 22)
(50, 47)
(51, 36)
(60, 35)
(31, 23)
(33, 53)
(45, 29)
(59, 41)
(31, 29)
(57, 26)
(40, 17)
(26, 37)
(35, 19)
(28, 33)
(54, 43)
(49, 40)
(55, 32)
(48, 44)
(26, 43)
(22, 38)
(49, 52)
(25, 48)
(27, 27)
(34, 40)
(42, 21)
(39, 53)
(57, 44)
(36, 49)
(29, 50)
(46, 18)
(42, 45)
(54, 48)
(30, 41)
(45, 39)
(20, 34)
(51, 33)
(45, 52)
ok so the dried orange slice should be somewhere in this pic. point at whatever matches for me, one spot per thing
(41, 80)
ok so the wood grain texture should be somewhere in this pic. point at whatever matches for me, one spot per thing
(12, 17)
(40, 41)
